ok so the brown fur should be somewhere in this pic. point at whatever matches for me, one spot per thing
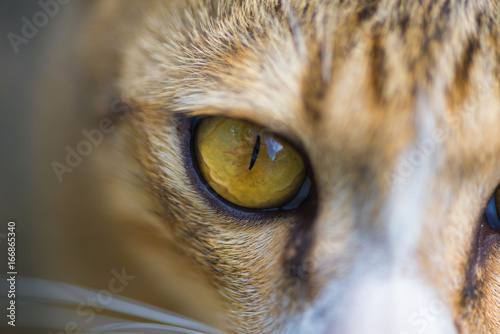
(340, 80)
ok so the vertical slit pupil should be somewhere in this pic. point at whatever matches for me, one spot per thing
(255, 152)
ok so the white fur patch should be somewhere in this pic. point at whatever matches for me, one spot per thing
(416, 169)
(387, 292)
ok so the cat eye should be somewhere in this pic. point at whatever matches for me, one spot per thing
(249, 166)
(492, 210)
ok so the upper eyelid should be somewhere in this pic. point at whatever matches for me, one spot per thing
(281, 131)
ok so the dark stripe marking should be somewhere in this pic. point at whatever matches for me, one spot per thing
(377, 59)
(464, 65)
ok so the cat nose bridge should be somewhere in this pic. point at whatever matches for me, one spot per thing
(379, 295)
(391, 225)
(381, 287)
(392, 214)
(384, 288)
(392, 303)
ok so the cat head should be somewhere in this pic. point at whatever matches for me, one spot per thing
(391, 107)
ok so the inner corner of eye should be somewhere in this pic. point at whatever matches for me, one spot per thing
(246, 165)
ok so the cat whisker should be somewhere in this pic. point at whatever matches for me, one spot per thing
(59, 306)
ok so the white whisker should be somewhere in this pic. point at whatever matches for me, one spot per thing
(144, 328)
(54, 305)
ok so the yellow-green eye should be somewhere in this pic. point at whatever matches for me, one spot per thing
(247, 165)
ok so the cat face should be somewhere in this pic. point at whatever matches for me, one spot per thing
(391, 108)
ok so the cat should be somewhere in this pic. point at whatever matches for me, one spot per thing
(388, 107)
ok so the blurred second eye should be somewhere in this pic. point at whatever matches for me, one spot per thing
(492, 210)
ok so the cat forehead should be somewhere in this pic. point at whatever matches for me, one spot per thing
(299, 47)
(300, 66)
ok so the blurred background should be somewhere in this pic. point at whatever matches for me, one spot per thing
(43, 112)
(18, 138)
(17, 135)
(22, 62)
